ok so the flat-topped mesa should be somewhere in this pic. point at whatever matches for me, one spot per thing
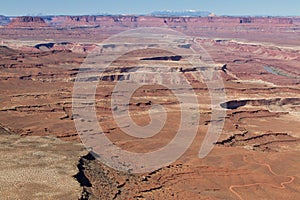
(131, 21)
(145, 21)
(28, 21)
(65, 21)
(81, 18)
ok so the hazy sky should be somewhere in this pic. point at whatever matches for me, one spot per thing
(80, 7)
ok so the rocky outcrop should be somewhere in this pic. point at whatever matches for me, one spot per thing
(258, 141)
(65, 46)
(101, 27)
(27, 21)
(234, 104)
(156, 21)
(74, 21)
(245, 20)
(81, 18)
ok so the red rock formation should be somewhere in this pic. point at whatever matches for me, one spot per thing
(150, 21)
(73, 21)
(261, 130)
(190, 24)
(27, 21)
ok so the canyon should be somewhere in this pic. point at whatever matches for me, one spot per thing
(255, 157)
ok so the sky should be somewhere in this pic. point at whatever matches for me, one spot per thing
(89, 7)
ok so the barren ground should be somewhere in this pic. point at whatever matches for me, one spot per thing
(256, 156)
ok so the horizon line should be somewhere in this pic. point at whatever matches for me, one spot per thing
(148, 15)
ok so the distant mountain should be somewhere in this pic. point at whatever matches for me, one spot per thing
(4, 20)
(187, 13)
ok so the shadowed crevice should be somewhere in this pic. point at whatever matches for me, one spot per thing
(81, 177)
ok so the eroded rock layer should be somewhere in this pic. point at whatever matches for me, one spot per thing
(256, 155)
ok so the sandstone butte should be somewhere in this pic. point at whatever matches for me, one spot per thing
(27, 21)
